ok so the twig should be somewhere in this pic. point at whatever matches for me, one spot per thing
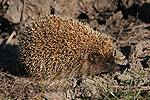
(9, 39)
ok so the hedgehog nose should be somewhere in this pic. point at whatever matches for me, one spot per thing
(112, 66)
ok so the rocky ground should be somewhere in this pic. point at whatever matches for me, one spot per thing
(126, 21)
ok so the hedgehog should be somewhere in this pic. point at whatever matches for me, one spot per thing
(55, 47)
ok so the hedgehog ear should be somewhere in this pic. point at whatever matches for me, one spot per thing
(93, 57)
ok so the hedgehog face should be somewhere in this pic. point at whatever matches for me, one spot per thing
(95, 64)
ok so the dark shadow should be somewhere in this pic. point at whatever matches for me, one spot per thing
(83, 16)
(123, 67)
(144, 62)
(9, 53)
(133, 11)
(141, 12)
(144, 13)
(126, 51)
(5, 25)
(52, 10)
(9, 61)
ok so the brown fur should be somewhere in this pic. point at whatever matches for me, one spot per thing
(55, 48)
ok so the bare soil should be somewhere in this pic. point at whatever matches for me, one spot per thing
(126, 21)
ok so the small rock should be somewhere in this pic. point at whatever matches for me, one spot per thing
(120, 58)
(14, 11)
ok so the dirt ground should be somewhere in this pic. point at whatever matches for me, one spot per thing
(126, 21)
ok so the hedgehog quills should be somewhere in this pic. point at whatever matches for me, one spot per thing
(54, 47)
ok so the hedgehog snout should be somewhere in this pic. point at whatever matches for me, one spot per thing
(111, 65)
(100, 64)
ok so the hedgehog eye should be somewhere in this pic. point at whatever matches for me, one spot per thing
(94, 58)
